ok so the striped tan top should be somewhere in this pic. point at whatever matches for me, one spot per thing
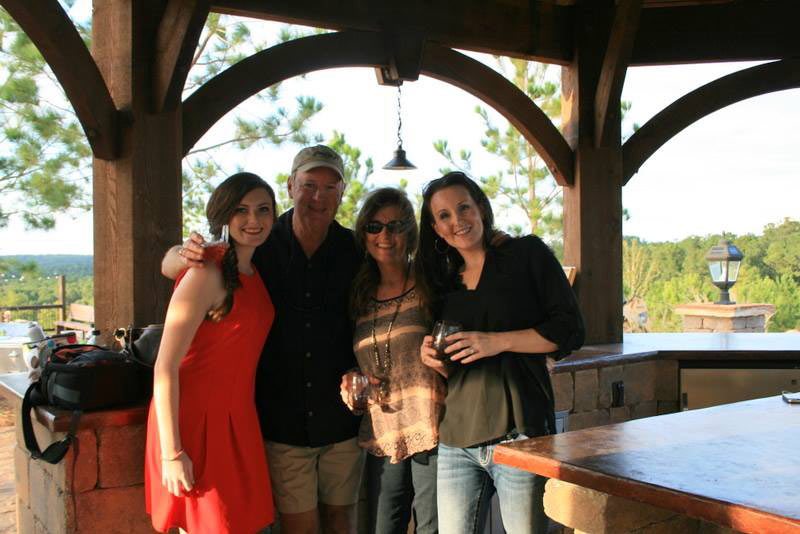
(408, 422)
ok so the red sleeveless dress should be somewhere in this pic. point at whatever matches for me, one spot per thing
(219, 426)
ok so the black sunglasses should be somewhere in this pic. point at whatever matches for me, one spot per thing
(394, 227)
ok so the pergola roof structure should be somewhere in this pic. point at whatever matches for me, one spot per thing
(127, 95)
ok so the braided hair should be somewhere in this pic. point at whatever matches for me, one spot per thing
(219, 210)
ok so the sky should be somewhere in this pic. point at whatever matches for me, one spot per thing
(735, 170)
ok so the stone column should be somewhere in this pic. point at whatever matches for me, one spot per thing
(707, 317)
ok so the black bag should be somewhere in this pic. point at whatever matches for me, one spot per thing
(79, 378)
(141, 343)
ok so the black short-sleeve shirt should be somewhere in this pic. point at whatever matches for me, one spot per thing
(310, 345)
(522, 286)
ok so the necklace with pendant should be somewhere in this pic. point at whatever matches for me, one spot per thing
(383, 365)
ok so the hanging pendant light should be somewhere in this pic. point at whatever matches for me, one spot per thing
(399, 161)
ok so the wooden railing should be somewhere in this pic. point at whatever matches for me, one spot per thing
(45, 314)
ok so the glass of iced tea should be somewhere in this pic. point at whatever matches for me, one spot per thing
(442, 329)
(213, 251)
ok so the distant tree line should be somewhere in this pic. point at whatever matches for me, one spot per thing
(670, 273)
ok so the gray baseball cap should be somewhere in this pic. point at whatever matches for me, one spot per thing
(312, 157)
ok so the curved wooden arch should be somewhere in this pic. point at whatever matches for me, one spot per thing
(735, 87)
(51, 30)
(230, 88)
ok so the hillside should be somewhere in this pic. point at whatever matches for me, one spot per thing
(72, 266)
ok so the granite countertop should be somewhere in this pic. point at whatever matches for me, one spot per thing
(736, 465)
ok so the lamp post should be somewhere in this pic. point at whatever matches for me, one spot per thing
(723, 264)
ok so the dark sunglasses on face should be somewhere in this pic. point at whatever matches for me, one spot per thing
(394, 227)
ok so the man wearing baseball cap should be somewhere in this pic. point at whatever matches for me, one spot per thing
(308, 264)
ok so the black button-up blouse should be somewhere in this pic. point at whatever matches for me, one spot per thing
(522, 286)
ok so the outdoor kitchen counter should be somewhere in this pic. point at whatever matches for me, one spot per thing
(14, 385)
(735, 465)
(686, 346)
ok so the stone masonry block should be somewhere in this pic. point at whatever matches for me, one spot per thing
(586, 390)
(640, 382)
(607, 376)
(563, 390)
(121, 456)
(85, 462)
(692, 322)
(644, 409)
(619, 414)
(665, 407)
(51, 506)
(666, 380)
(21, 465)
(592, 511)
(578, 421)
(112, 511)
(24, 518)
(758, 321)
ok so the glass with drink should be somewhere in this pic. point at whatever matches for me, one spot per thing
(442, 329)
(213, 251)
(359, 393)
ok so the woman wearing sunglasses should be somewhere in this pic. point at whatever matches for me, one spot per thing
(515, 307)
(399, 429)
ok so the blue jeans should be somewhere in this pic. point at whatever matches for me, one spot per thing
(468, 478)
(396, 489)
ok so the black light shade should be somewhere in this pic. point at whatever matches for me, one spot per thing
(399, 162)
(723, 264)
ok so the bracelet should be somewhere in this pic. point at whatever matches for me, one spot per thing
(177, 455)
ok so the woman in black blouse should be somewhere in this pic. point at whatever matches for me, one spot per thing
(516, 308)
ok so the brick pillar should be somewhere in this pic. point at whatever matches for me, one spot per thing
(708, 317)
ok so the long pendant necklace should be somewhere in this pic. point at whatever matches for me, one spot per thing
(383, 366)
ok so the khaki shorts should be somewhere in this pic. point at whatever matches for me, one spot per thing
(303, 476)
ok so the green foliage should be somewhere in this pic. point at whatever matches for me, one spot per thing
(224, 43)
(672, 273)
(45, 164)
(524, 184)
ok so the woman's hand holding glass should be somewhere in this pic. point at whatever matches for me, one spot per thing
(177, 474)
(358, 391)
(467, 347)
(197, 248)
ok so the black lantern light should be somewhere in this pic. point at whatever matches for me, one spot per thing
(723, 264)
(399, 161)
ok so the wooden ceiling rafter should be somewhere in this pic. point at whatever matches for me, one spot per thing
(233, 86)
(615, 65)
(51, 30)
(178, 34)
(722, 92)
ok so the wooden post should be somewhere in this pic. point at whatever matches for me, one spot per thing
(137, 197)
(61, 296)
(593, 204)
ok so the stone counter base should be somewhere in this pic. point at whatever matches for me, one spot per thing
(593, 512)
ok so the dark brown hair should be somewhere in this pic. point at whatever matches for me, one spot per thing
(437, 263)
(366, 281)
(219, 211)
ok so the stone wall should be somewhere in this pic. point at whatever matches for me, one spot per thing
(97, 487)
(650, 388)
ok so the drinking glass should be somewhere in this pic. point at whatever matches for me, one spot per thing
(359, 390)
(442, 329)
(214, 250)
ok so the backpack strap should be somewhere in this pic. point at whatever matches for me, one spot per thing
(55, 451)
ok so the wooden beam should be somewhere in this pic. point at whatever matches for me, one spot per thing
(615, 65)
(485, 83)
(351, 49)
(534, 30)
(178, 34)
(51, 30)
(222, 93)
(736, 31)
(405, 58)
(747, 83)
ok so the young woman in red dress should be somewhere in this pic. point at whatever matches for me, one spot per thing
(205, 466)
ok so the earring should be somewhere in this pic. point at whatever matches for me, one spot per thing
(437, 246)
